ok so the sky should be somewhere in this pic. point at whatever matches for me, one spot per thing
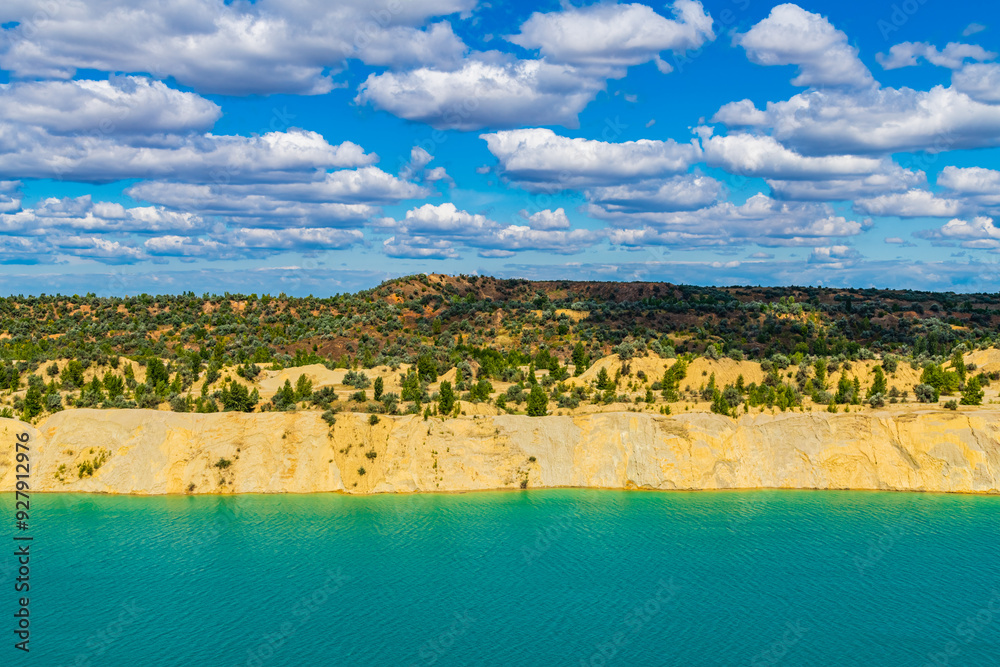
(316, 147)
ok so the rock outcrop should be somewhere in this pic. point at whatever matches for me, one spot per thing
(153, 452)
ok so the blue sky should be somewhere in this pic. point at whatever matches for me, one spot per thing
(316, 147)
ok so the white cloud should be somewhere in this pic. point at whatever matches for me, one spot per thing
(837, 256)
(879, 121)
(54, 216)
(298, 238)
(419, 247)
(243, 48)
(751, 155)
(32, 152)
(760, 220)
(609, 35)
(187, 248)
(438, 174)
(120, 105)
(979, 81)
(978, 233)
(432, 230)
(547, 219)
(954, 55)
(910, 204)
(792, 36)
(490, 89)
(972, 29)
(10, 196)
(98, 249)
(678, 193)
(419, 158)
(890, 178)
(539, 159)
(970, 180)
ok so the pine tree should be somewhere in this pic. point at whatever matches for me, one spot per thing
(603, 379)
(819, 382)
(879, 385)
(580, 359)
(379, 386)
(958, 363)
(538, 402)
(973, 392)
(446, 398)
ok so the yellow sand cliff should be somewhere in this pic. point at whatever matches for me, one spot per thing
(153, 452)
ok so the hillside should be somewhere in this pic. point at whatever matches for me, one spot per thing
(585, 346)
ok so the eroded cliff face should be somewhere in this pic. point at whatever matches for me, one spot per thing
(151, 452)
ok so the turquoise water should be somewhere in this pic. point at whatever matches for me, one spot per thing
(558, 577)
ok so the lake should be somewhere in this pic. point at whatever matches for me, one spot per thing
(540, 577)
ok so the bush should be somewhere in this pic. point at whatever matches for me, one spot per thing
(356, 380)
(925, 393)
(372, 420)
(223, 463)
(951, 405)
(876, 400)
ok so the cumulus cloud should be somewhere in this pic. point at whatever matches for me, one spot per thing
(970, 180)
(581, 49)
(492, 89)
(547, 219)
(10, 196)
(837, 256)
(539, 159)
(889, 178)
(910, 204)
(32, 152)
(879, 121)
(761, 220)
(120, 105)
(979, 81)
(753, 155)
(234, 48)
(977, 233)
(98, 249)
(678, 193)
(792, 36)
(954, 55)
(605, 35)
(433, 231)
(54, 216)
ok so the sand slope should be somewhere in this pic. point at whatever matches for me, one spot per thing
(151, 452)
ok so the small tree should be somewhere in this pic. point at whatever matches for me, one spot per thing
(446, 398)
(378, 388)
(973, 392)
(879, 385)
(538, 402)
(603, 379)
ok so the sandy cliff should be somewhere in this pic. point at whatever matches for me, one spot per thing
(150, 452)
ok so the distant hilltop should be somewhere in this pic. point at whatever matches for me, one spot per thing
(434, 345)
